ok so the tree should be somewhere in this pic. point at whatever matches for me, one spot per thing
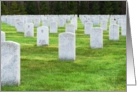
(72, 7)
(14, 8)
(31, 7)
(4, 9)
(22, 9)
(95, 7)
(107, 7)
(44, 7)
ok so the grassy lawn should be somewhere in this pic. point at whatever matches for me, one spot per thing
(93, 70)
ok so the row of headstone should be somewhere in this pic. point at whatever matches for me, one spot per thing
(102, 20)
(37, 19)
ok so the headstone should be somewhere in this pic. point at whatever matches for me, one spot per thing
(10, 63)
(45, 22)
(104, 25)
(2, 36)
(88, 27)
(96, 20)
(96, 38)
(42, 36)
(123, 28)
(113, 22)
(67, 49)
(70, 28)
(20, 26)
(61, 22)
(36, 22)
(74, 22)
(113, 32)
(53, 27)
(29, 30)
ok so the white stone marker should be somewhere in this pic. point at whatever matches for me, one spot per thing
(88, 27)
(104, 25)
(10, 63)
(70, 28)
(29, 30)
(20, 26)
(36, 23)
(42, 36)
(123, 28)
(96, 38)
(67, 48)
(61, 22)
(45, 22)
(53, 27)
(113, 32)
(2, 36)
(113, 22)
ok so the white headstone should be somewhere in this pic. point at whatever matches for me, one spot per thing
(10, 63)
(104, 25)
(36, 22)
(67, 49)
(42, 36)
(113, 32)
(53, 27)
(20, 26)
(123, 28)
(45, 22)
(113, 22)
(61, 22)
(29, 30)
(70, 28)
(2, 36)
(96, 38)
(88, 27)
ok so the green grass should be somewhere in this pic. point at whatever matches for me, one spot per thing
(93, 70)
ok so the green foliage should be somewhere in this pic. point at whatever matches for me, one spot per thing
(22, 9)
(72, 7)
(95, 8)
(44, 8)
(83, 5)
(93, 70)
(108, 7)
(31, 7)
(116, 7)
(64, 7)
(14, 8)
(4, 9)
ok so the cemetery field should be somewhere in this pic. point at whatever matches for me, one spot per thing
(93, 70)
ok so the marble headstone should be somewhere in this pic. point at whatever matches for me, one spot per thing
(96, 38)
(113, 32)
(53, 27)
(20, 26)
(2, 36)
(88, 27)
(45, 22)
(70, 28)
(42, 36)
(36, 23)
(67, 48)
(29, 30)
(10, 63)
(104, 25)
(61, 22)
(123, 28)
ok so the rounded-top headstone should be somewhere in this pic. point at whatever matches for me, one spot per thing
(10, 63)
(67, 46)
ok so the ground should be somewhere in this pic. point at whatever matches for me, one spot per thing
(93, 70)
